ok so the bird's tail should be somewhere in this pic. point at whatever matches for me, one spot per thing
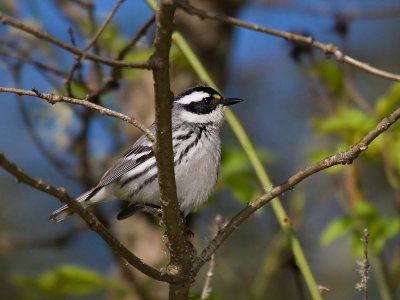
(64, 211)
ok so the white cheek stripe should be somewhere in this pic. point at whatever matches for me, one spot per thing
(193, 97)
(215, 116)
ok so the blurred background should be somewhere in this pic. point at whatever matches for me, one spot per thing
(300, 107)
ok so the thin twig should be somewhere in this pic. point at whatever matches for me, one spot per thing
(90, 43)
(355, 13)
(76, 64)
(48, 37)
(142, 30)
(364, 266)
(87, 216)
(103, 26)
(210, 272)
(29, 60)
(115, 72)
(328, 49)
(53, 98)
(342, 158)
(58, 163)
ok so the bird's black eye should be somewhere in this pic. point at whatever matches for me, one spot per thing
(208, 100)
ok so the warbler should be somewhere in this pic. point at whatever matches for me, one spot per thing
(197, 116)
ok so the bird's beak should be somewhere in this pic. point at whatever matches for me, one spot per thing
(230, 101)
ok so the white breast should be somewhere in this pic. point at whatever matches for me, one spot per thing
(196, 174)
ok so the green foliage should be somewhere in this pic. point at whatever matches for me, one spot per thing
(111, 38)
(136, 55)
(365, 216)
(351, 123)
(78, 90)
(66, 280)
(388, 102)
(331, 73)
(237, 174)
(337, 228)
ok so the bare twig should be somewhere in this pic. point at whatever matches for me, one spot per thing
(353, 14)
(115, 72)
(364, 266)
(52, 99)
(48, 37)
(210, 272)
(142, 30)
(103, 26)
(76, 64)
(58, 163)
(29, 60)
(89, 44)
(328, 49)
(87, 216)
(343, 158)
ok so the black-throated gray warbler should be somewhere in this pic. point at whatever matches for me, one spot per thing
(197, 115)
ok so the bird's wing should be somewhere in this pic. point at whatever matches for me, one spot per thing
(140, 152)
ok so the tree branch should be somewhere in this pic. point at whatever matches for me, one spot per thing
(115, 72)
(52, 99)
(90, 43)
(103, 26)
(29, 60)
(343, 158)
(87, 216)
(85, 55)
(328, 49)
(180, 251)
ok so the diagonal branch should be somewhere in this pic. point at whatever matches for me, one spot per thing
(103, 26)
(343, 158)
(52, 99)
(85, 55)
(89, 218)
(328, 49)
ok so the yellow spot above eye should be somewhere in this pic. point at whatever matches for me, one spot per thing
(216, 96)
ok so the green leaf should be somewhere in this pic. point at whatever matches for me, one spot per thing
(356, 244)
(392, 227)
(237, 175)
(331, 73)
(135, 56)
(388, 102)
(69, 280)
(346, 120)
(335, 229)
(78, 90)
(366, 212)
(244, 188)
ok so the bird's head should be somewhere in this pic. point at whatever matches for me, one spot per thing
(202, 104)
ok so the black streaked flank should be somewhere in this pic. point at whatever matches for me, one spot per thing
(137, 175)
(140, 187)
